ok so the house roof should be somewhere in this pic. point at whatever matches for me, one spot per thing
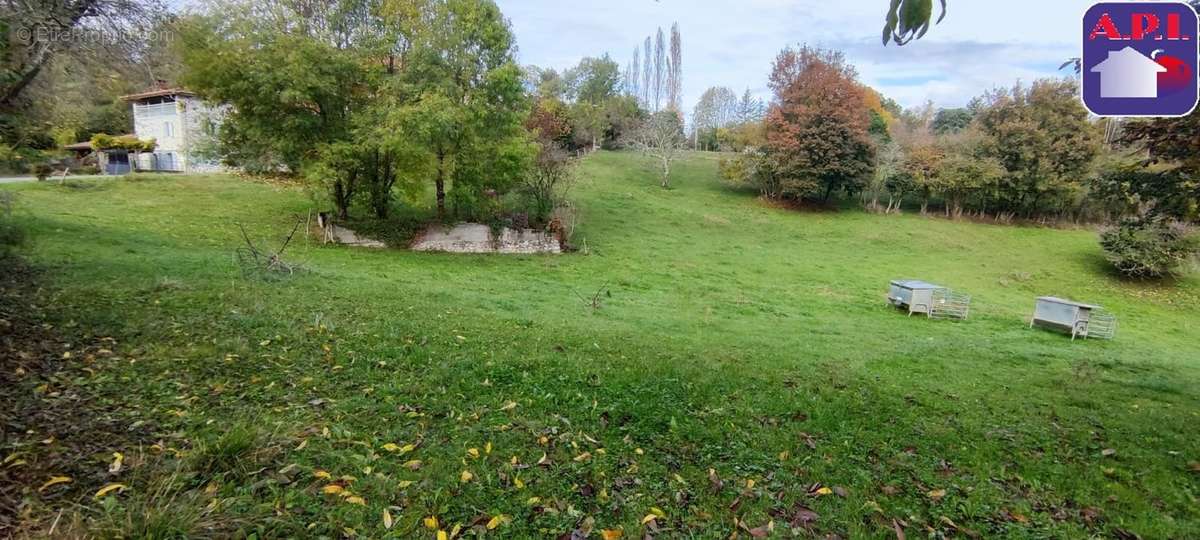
(1128, 60)
(158, 92)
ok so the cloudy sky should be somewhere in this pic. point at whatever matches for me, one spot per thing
(980, 45)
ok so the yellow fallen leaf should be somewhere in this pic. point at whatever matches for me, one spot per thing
(824, 491)
(55, 480)
(391, 447)
(109, 489)
(356, 500)
(508, 406)
(638, 451)
(750, 483)
(333, 489)
(611, 534)
(937, 494)
(431, 523)
(473, 452)
(518, 482)
(441, 535)
(322, 474)
(115, 466)
(387, 519)
(497, 521)
(412, 464)
(487, 448)
(658, 512)
(649, 518)
(584, 456)
(533, 500)
(407, 448)
(455, 530)
(465, 477)
(405, 484)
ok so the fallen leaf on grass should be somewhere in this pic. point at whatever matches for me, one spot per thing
(583, 457)
(115, 466)
(431, 523)
(473, 452)
(611, 534)
(1108, 452)
(1194, 466)
(413, 465)
(355, 499)
(962, 530)
(333, 489)
(55, 480)
(109, 489)
(896, 526)
(497, 521)
(322, 474)
(822, 491)
(465, 477)
(937, 494)
(760, 532)
(387, 519)
(508, 406)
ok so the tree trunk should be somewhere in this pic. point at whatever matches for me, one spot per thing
(441, 184)
(666, 179)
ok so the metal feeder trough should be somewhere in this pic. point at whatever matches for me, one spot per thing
(1081, 320)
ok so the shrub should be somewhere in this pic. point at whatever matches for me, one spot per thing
(737, 172)
(1151, 247)
(42, 171)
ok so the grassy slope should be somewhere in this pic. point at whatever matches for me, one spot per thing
(734, 332)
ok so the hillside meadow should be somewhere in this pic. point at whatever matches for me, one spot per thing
(741, 374)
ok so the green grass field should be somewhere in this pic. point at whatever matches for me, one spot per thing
(749, 341)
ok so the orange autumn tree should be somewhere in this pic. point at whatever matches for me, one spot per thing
(817, 126)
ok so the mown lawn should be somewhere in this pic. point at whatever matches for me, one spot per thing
(742, 371)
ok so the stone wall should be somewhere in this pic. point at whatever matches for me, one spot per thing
(477, 238)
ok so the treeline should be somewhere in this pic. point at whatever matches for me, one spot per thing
(1023, 153)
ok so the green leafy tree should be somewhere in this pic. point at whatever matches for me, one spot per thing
(1042, 137)
(365, 96)
(948, 121)
(460, 103)
(594, 80)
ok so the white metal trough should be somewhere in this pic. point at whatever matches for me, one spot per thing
(1081, 320)
(935, 301)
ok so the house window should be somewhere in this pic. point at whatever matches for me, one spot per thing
(168, 129)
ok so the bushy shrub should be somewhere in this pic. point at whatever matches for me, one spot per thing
(42, 171)
(1151, 247)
